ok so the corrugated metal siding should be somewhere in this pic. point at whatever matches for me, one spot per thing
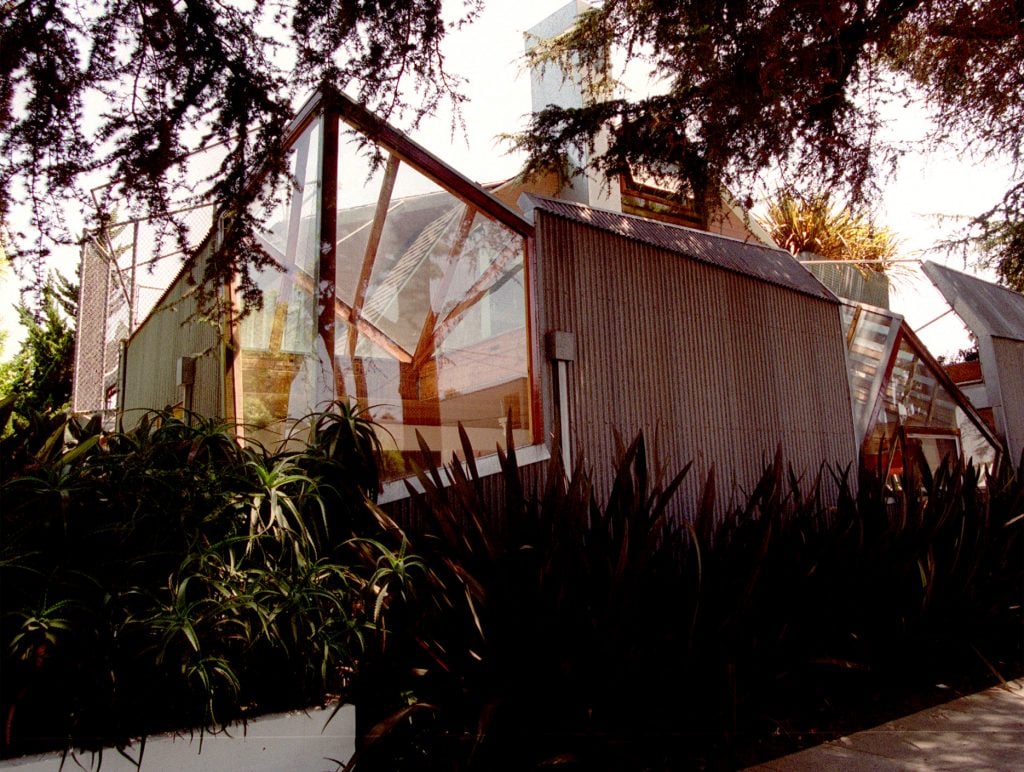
(1010, 361)
(748, 258)
(170, 332)
(987, 308)
(712, 365)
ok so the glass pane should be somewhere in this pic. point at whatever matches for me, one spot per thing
(432, 312)
(918, 397)
(360, 177)
(976, 447)
(282, 373)
(931, 450)
(920, 419)
(866, 356)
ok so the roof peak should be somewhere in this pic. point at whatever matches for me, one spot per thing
(748, 258)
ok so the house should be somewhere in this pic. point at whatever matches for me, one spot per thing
(995, 316)
(425, 298)
(433, 303)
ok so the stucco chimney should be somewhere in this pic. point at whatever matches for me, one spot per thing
(553, 86)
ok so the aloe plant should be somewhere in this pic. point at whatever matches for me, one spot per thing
(167, 576)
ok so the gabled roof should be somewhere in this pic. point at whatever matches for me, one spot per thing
(987, 308)
(756, 261)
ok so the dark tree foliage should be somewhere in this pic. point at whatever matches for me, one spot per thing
(791, 86)
(1001, 240)
(39, 375)
(131, 86)
(794, 87)
(749, 86)
(968, 59)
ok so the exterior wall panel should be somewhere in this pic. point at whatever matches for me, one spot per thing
(847, 281)
(94, 285)
(712, 365)
(171, 331)
(1010, 362)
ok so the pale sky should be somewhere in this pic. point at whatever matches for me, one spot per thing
(488, 55)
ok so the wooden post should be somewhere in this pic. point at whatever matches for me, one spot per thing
(326, 291)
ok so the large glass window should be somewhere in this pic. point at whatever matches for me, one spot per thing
(430, 312)
(919, 421)
(901, 408)
(280, 367)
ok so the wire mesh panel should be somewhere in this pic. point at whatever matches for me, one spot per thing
(127, 267)
(87, 393)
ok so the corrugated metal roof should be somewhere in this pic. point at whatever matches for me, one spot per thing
(757, 261)
(996, 310)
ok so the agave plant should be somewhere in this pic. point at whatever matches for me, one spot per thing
(812, 224)
(631, 631)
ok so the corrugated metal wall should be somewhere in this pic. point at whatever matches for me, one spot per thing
(169, 333)
(713, 366)
(1010, 361)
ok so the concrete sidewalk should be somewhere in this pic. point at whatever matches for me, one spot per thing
(984, 731)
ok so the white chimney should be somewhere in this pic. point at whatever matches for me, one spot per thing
(553, 86)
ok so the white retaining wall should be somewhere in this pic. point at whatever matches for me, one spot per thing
(279, 742)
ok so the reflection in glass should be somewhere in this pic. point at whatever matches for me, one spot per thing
(918, 421)
(431, 313)
(430, 310)
(282, 372)
(868, 340)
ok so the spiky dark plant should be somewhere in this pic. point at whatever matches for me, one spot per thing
(631, 631)
(167, 575)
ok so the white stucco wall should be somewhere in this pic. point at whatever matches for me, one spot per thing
(552, 86)
(280, 742)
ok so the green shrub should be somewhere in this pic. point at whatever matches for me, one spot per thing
(167, 577)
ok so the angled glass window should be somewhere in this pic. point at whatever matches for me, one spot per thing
(430, 307)
(919, 420)
(904, 411)
(431, 311)
(869, 337)
(280, 369)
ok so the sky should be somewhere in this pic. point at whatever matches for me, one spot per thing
(924, 187)
(488, 54)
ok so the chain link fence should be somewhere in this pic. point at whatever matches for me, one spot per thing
(127, 266)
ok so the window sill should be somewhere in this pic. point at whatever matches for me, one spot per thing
(396, 490)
